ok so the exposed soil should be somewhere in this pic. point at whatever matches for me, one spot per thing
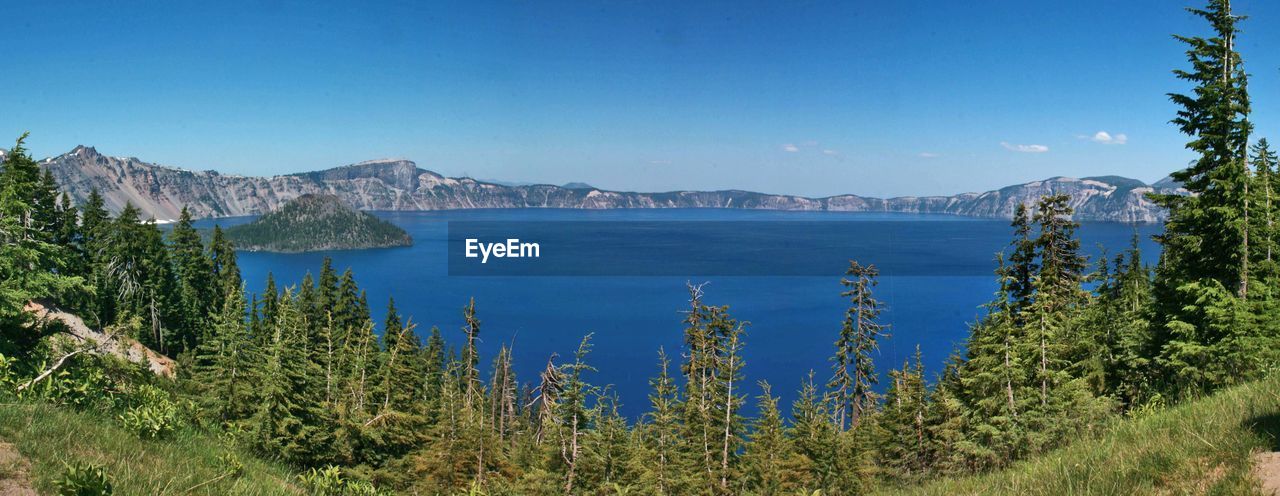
(14, 470)
(1266, 467)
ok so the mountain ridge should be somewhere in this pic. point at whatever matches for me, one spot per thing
(399, 184)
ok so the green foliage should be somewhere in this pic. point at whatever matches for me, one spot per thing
(323, 482)
(314, 223)
(301, 376)
(231, 463)
(85, 480)
(32, 265)
(854, 372)
(1202, 446)
(328, 481)
(152, 414)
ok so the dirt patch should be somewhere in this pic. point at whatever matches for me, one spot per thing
(14, 471)
(1266, 468)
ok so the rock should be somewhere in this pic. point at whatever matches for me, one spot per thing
(161, 192)
(121, 346)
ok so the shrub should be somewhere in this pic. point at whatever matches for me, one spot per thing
(151, 421)
(362, 488)
(322, 482)
(231, 463)
(8, 380)
(328, 481)
(84, 480)
(80, 387)
(152, 414)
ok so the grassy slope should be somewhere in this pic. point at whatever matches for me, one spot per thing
(50, 436)
(1199, 447)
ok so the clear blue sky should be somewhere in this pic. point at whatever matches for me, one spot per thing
(815, 98)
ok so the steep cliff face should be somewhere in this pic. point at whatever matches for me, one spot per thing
(400, 185)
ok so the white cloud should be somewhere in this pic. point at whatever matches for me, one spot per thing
(1109, 139)
(790, 148)
(1024, 148)
(928, 155)
(830, 152)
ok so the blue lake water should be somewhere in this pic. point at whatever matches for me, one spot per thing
(794, 319)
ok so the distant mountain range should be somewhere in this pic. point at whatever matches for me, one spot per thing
(162, 191)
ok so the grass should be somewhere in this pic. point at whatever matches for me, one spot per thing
(1198, 447)
(187, 463)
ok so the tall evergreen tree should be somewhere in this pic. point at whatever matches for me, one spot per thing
(664, 430)
(816, 437)
(1265, 204)
(224, 266)
(1205, 235)
(29, 262)
(1022, 260)
(290, 421)
(853, 366)
(222, 367)
(471, 355)
(196, 288)
(904, 449)
(1206, 255)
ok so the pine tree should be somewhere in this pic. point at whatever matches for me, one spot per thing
(400, 423)
(771, 465)
(28, 261)
(504, 409)
(991, 386)
(1057, 289)
(326, 286)
(400, 372)
(1206, 236)
(139, 275)
(270, 306)
(471, 355)
(70, 239)
(1022, 261)
(1206, 256)
(350, 311)
(572, 413)
(224, 266)
(664, 430)
(607, 447)
(291, 421)
(728, 400)
(853, 367)
(1265, 204)
(222, 367)
(904, 449)
(945, 421)
(815, 436)
(196, 289)
(1124, 301)
(95, 224)
(434, 364)
(45, 205)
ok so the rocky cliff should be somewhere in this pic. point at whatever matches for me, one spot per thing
(162, 191)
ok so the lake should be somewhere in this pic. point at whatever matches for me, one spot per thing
(937, 274)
